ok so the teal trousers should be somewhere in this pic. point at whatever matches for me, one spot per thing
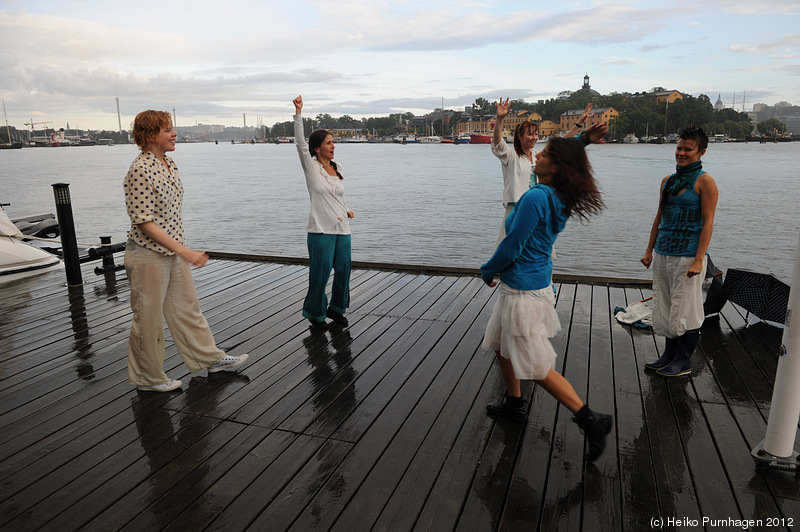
(325, 253)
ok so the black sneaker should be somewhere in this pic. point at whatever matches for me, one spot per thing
(317, 325)
(336, 317)
(511, 408)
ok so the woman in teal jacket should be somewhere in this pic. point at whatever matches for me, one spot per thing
(524, 318)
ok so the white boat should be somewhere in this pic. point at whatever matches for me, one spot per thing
(432, 139)
(630, 138)
(18, 259)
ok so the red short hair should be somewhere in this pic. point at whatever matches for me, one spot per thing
(147, 125)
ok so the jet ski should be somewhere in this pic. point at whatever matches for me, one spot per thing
(19, 259)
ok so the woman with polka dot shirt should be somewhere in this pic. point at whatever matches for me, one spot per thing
(157, 264)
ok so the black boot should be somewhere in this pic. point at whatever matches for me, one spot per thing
(666, 357)
(595, 427)
(511, 408)
(336, 317)
(681, 364)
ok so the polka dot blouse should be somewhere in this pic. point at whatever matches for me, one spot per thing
(152, 194)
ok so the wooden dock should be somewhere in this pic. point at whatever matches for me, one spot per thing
(377, 426)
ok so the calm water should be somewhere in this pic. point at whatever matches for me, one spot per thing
(423, 204)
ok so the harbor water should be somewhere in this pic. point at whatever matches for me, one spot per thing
(436, 205)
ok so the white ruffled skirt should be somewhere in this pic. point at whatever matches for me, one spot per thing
(522, 323)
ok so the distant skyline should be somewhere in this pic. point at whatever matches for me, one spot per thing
(66, 61)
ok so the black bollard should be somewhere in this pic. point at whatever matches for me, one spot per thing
(108, 260)
(107, 253)
(69, 243)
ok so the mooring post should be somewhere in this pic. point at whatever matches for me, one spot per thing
(108, 260)
(69, 243)
(777, 449)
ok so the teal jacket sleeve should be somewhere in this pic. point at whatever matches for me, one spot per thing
(526, 216)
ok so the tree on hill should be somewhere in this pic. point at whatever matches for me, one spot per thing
(771, 126)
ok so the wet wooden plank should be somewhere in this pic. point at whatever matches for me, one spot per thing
(703, 462)
(378, 426)
(637, 478)
(426, 431)
(441, 364)
(561, 505)
(442, 507)
(601, 485)
(750, 489)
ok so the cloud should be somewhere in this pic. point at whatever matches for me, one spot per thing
(372, 57)
(785, 42)
(748, 7)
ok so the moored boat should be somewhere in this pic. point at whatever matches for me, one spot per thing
(18, 259)
(10, 145)
(477, 138)
(406, 139)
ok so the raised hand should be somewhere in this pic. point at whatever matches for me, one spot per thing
(503, 108)
(596, 133)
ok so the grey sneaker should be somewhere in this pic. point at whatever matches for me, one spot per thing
(166, 387)
(228, 363)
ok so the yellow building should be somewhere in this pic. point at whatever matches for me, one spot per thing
(549, 128)
(660, 97)
(486, 127)
(598, 115)
(511, 122)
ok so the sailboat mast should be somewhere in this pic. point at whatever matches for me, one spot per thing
(442, 131)
(8, 131)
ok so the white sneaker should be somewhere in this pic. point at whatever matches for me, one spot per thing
(166, 387)
(228, 362)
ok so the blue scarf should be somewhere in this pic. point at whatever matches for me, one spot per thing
(683, 177)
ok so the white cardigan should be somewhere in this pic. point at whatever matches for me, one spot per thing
(328, 207)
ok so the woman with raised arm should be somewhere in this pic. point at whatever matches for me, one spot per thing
(329, 237)
(524, 317)
(157, 264)
(517, 164)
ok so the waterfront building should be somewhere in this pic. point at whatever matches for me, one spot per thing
(659, 96)
(548, 128)
(343, 130)
(598, 115)
(485, 124)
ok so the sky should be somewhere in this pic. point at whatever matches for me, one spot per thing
(217, 62)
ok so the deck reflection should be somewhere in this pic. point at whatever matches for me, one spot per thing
(376, 426)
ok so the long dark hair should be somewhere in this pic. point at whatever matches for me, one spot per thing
(315, 140)
(520, 130)
(574, 180)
